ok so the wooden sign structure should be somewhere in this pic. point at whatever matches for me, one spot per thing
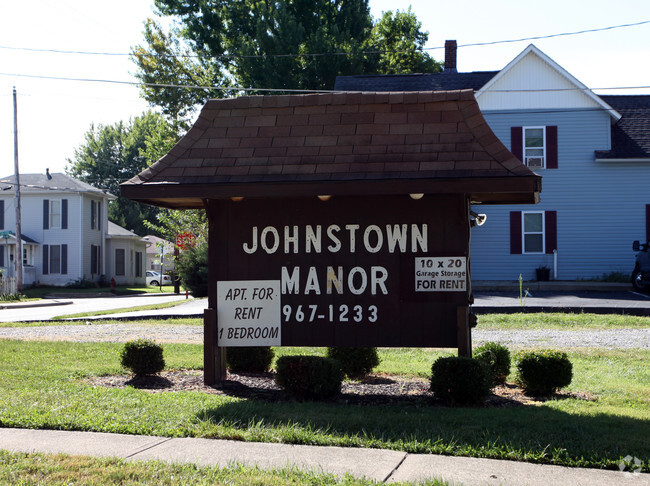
(340, 219)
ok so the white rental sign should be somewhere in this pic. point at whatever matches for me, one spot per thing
(440, 274)
(248, 313)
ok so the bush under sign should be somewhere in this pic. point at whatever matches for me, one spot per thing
(248, 313)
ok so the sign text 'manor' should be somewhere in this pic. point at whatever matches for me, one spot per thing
(334, 238)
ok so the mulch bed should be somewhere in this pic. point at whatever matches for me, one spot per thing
(372, 390)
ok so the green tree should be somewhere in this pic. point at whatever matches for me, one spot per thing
(112, 154)
(284, 45)
(399, 37)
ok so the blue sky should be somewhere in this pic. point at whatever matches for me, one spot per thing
(54, 115)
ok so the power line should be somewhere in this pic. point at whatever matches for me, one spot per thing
(360, 53)
(286, 90)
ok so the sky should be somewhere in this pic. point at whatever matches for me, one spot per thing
(54, 115)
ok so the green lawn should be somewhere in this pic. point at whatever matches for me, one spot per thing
(573, 322)
(61, 469)
(41, 292)
(41, 386)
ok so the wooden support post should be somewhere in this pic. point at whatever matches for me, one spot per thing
(214, 357)
(464, 332)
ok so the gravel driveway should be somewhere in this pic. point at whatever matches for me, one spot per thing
(611, 339)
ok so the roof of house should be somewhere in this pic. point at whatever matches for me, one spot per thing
(50, 182)
(337, 144)
(444, 81)
(154, 240)
(631, 135)
(10, 235)
(115, 230)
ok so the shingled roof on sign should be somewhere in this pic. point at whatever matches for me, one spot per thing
(337, 143)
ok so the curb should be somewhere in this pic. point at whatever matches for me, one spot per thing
(550, 286)
(27, 305)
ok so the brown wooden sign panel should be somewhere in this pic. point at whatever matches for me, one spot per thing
(351, 271)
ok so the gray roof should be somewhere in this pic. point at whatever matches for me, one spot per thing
(57, 182)
(117, 230)
(444, 81)
(631, 135)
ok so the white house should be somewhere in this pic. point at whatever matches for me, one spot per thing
(66, 233)
(156, 248)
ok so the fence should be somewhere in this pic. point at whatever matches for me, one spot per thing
(8, 286)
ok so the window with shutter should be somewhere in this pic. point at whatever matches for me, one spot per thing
(2, 215)
(535, 146)
(533, 232)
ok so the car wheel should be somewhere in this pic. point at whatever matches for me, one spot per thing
(154, 283)
(637, 281)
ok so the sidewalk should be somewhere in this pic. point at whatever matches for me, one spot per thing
(376, 464)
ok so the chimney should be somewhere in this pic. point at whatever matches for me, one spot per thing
(47, 173)
(450, 56)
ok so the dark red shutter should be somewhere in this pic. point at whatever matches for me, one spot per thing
(550, 225)
(517, 142)
(551, 147)
(515, 232)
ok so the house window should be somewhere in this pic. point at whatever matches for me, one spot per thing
(95, 259)
(138, 264)
(533, 232)
(55, 215)
(95, 215)
(55, 258)
(120, 258)
(534, 147)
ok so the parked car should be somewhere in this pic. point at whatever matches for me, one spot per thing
(154, 278)
(641, 272)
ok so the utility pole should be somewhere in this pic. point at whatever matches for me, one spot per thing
(19, 240)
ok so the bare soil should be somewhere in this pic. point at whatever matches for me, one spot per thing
(372, 390)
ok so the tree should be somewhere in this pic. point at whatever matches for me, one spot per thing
(112, 154)
(284, 45)
(400, 38)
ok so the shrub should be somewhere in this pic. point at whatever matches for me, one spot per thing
(497, 357)
(142, 357)
(192, 268)
(249, 359)
(543, 372)
(460, 381)
(355, 362)
(309, 377)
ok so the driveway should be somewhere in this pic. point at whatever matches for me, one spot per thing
(49, 308)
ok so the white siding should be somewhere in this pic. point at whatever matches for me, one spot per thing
(522, 87)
